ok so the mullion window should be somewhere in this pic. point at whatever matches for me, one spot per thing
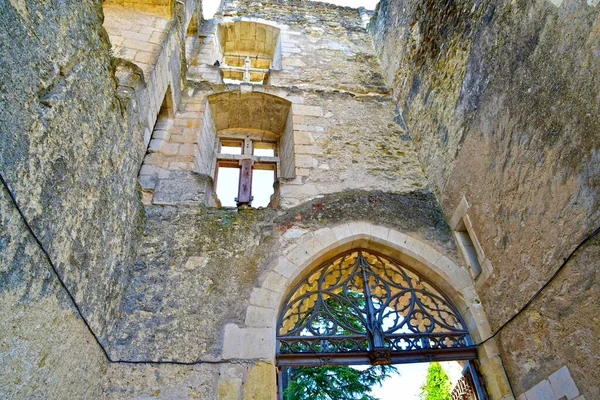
(256, 162)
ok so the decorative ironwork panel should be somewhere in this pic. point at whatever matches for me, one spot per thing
(362, 301)
(469, 386)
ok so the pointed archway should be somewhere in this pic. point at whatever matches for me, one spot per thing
(362, 307)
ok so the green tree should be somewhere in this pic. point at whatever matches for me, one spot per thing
(437, 384)
(335, 382)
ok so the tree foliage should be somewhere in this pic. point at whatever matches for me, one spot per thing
(437, 384)
(335, 382)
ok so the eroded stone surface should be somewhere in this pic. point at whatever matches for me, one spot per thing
(500, 98)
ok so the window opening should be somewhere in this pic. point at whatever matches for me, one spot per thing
(264, 149)
(248, 51)
(231, 147)
(256, 172)
(263, 177)
(227, 179)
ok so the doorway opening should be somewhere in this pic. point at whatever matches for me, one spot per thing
(362, 308)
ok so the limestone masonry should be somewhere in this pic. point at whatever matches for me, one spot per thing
(460, 139)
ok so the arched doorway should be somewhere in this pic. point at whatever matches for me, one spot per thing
(362, 307)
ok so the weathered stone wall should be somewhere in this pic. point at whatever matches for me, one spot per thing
(64, 190)
(323, 47)
(500, 99)
(176, 280)
(70, 151)
(196, 265)
(346, 132)
(335, 148)
(46, 350)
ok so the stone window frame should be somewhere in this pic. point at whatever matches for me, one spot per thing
(207, 152)
(468, 243)
(219, 51)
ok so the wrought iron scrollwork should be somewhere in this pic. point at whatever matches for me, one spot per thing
(469, 386)
(364, 302)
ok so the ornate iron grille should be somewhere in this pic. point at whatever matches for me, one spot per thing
(363, 307)
(469, 386)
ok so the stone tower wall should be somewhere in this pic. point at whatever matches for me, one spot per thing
(501, 101)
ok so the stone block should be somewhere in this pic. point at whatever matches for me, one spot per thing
(156, 38)
(298, 191)
(563, 385)
(260, 317)
(154, 159)
(248, 343)
(305, 161)
(360, 228)
(275, 282)
(294, 62)
(259, 383)
(326, 237)
(430, 254)
(286, 268)
(308, 149)
(155, 145)
(141, 45)
(541, 391)
(160, 134)
(135, 35)
(181, 166)
(265, 298)
(302, 171)
(147, 182)
(299, 255)
(342, 232)
(187, 149)
(145, 57)
(304, 127)
(310, 111)
(295, 99)
(169, 149)
(148, 170)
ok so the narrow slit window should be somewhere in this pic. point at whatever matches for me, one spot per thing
(468, 248)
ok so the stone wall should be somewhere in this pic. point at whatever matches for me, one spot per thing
(322, 46)
(183, 294)
(70, 153)
(346, 132)
(194, 274)
(500, 99)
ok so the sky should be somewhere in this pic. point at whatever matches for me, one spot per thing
(210, 6)
(406, 384)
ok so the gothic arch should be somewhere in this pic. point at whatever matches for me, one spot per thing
(315, 248)
(256, 338)
(363, 307)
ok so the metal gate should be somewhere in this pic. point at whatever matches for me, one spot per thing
(469, 386)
